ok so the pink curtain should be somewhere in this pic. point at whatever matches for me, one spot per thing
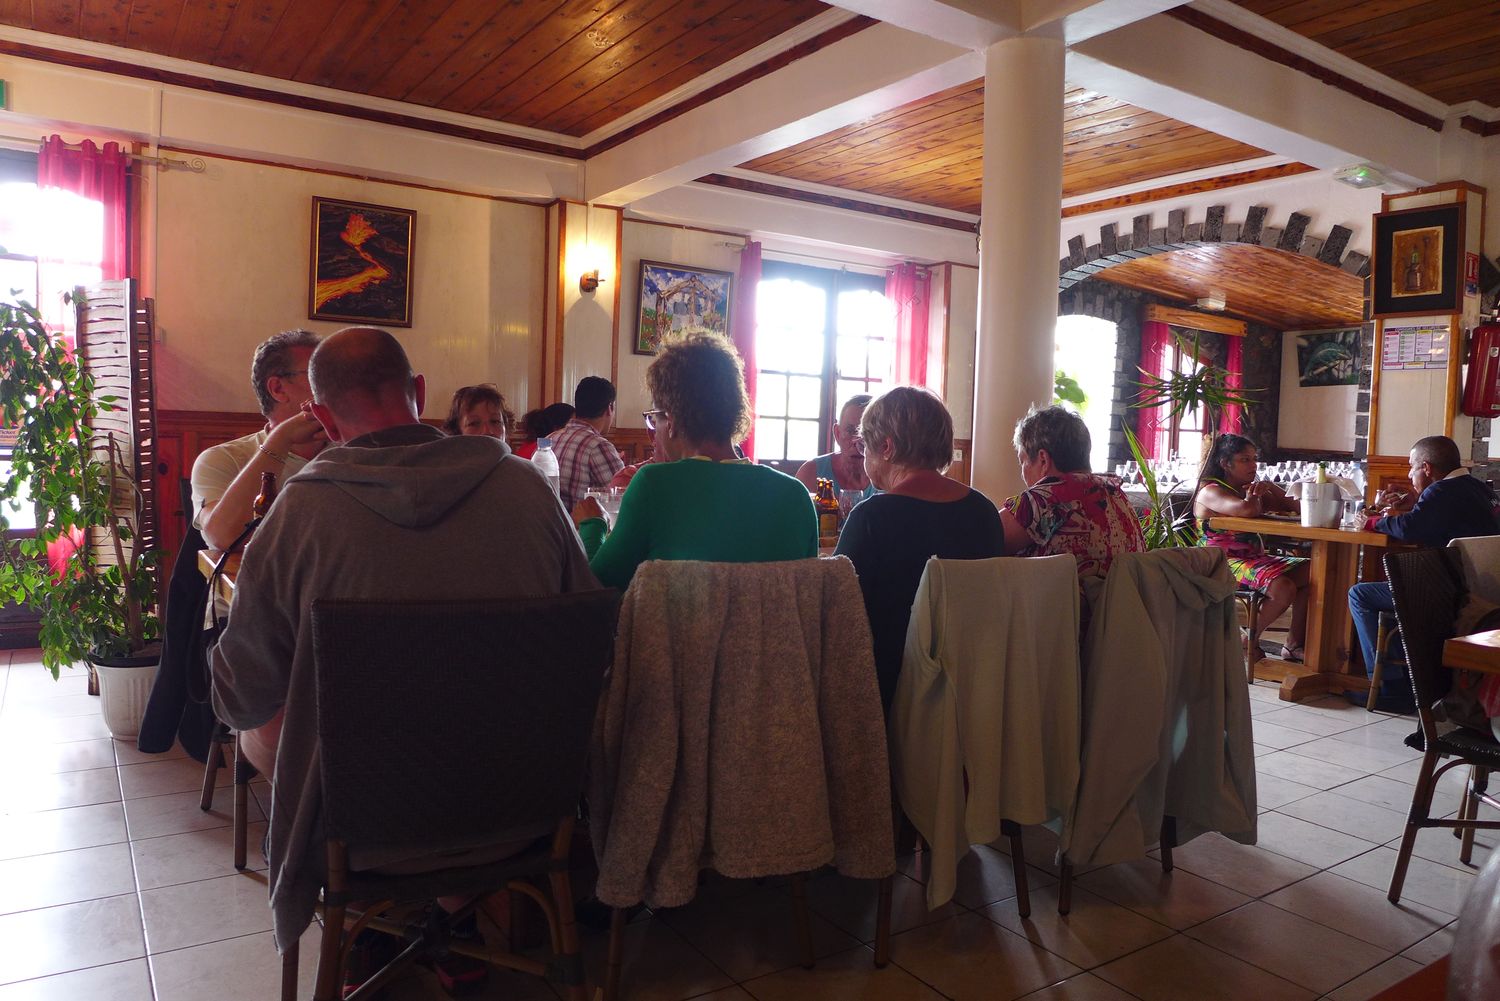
(907, 288)
(1233, 417)
(1152, 424)
(742, 327)
(98, 175)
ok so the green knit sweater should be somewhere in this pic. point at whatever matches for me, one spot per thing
(694, 509)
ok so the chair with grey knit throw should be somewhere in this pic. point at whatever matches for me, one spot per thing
(453, 739)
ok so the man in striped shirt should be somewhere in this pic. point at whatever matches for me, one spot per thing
(585, 458)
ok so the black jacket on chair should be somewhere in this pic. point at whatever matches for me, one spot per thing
(172, 713)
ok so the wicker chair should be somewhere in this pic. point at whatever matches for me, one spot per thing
(1428, 588)
(445, 730)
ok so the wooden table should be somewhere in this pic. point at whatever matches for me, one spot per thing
(206, 560)
(1328, 666)
(1475, 652)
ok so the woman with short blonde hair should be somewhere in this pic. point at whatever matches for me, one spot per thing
(920, 513)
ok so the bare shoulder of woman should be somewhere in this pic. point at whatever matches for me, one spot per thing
(1211, 496)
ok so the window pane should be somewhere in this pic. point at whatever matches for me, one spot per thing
(848, 388)
(789, 325)
(805, 395)
(882, 360)
(801, 439)
(770, 438)
(770, 394)
(853, 355)
(865, 313)
(20, 277)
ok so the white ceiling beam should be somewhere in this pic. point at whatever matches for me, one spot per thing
(1166, 66)
(1079, 20)
(873, 71)
(971, 24)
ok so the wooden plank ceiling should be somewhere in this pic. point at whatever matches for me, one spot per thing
(1447, 49)
(1278, 288)
(568, 66)
(930, 151)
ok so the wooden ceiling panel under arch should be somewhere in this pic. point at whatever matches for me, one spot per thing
(567, 66)
(1276, 287)
(1447, 49)
(931, 151)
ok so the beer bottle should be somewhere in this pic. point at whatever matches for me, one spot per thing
(267, 494)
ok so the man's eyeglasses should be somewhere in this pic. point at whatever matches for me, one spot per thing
(652, 418)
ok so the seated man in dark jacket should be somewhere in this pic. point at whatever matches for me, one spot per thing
(1449, 504)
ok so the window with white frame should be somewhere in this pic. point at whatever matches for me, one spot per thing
(821, 337)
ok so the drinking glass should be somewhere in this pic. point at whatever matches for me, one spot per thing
(847, 500)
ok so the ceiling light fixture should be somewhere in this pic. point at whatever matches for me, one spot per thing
(1213, 302)
(1361, 175)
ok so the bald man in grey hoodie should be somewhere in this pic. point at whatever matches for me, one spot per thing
(391, 510)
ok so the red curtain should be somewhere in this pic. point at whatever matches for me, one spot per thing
(1233, 417)
(907, 288)
(1152, 425)
(98, 175)
(742, 327)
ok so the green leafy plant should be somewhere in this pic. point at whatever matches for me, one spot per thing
(78, 480)
(1206, 388)
(1065, 389)
(1162, 527)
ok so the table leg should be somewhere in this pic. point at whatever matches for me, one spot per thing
(1326, 668)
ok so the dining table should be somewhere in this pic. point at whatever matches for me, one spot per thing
(1328, 665)
(207, 560)
(1474, 652)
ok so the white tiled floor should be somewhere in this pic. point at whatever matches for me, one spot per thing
(115, 887)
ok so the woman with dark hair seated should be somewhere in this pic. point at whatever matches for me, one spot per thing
(919, 513)
(699, 500)
(479, 410)
(1227, 486)
(540, 424)
(1065, 508)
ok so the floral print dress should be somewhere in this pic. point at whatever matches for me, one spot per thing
(1248, 560)
(1081, 514)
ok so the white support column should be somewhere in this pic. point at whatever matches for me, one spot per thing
(1019, 227)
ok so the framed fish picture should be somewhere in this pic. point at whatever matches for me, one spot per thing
(361, 263)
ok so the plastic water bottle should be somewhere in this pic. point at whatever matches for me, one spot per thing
(546, 460)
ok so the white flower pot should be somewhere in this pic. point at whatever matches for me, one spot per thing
(124, 689)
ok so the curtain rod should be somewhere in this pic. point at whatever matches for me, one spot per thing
(813, 257)
(196, 164)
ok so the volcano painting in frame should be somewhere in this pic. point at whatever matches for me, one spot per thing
(361, 263)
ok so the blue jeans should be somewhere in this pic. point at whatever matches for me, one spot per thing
(1366, 602)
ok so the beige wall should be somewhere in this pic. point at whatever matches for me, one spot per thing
(231, 268)
(1318, 417)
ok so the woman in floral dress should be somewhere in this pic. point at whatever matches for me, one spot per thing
(1065, 508)
(1228, 487)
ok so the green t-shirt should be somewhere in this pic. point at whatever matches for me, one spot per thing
(693, 509)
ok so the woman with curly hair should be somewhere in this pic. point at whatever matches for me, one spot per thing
(699, 500)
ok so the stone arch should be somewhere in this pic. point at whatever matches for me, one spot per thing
(1085, 260)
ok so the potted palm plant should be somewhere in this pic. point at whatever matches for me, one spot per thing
(1203, 390)
(81, 570)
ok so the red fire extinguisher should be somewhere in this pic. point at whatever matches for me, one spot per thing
(1482, 385)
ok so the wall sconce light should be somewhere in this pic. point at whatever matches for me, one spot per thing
(589, 281)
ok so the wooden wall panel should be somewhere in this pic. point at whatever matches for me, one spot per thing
(565, 65)
(931, 151)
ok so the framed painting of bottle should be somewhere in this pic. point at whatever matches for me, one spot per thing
(1418, 261)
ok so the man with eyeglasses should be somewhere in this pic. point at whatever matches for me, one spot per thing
(226, 478)
(846, 466)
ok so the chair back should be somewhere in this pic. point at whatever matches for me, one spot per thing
(1428, 590)
(452, 725)
(1481, 559)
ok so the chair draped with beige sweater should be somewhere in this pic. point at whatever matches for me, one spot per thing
(740, 731)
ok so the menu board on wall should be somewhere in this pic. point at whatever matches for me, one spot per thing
(1414, 347)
